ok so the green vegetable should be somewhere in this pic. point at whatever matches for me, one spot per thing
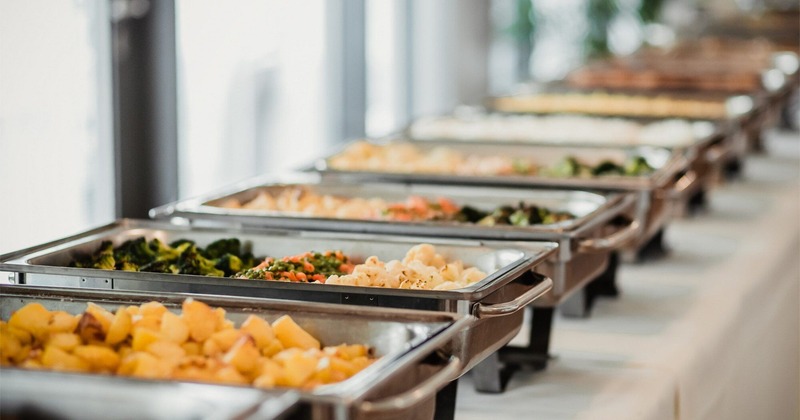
(220, 258)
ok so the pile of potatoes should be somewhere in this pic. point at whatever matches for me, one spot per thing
(200, 344)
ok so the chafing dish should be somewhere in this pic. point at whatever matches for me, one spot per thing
(584, 243)
(738, 119)
(415, 350)
(495, 301)
(654, 192)
(705, 143)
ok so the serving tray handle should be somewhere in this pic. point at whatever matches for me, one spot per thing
(508, 308)
(613, 241)
(420, 392)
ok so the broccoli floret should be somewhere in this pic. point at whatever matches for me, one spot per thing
(181, 242)
(229, 264)
(191, 262)
(221, 247)
(127, 266)
(519, 218)
(104, 258)
(136, 251)
(469, 214)
(607, 168)
(568, 167)
(638, 166)
(158, 266)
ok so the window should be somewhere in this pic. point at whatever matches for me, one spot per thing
(56, 170)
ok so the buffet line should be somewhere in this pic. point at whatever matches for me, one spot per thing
(366, 284)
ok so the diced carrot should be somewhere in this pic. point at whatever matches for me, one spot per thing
(301, 276)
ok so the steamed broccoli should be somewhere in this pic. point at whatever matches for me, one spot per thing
(104, 259)
(638, 166)
(607, 167)
(221, 247)
(230, 264)
(192, 262)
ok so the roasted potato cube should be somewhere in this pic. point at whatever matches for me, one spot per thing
(166, 350)
(99, 357)
(191, 348)
(33, 318)
(211, 348)
(24, 337)
(150, 322)
(325, 374)
(62, 322)
(200, 319)
(154, 309)
(174, 328)
(229, 374)
(297, 369)
(120, 327)
(222, 323)
(348, 352)
(347, 367)
(57, 359)
(90, 329)
(226, 338)
(64, 341)
(292, 335)
(145, 365)
(10, 346)
(259, 329)
(243, 355)
(273, 348)
(103, 316)
(143, 337)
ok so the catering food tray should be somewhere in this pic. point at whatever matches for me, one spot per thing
(655, 191)
(585, 242)
(413, 349)
(495, 300)
(706, 144)
(739, 119)
(43, 394)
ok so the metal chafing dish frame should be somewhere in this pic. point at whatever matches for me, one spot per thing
(401, 383)
(494, 301)
(655, 192)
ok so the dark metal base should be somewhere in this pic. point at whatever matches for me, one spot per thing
(492, 374)
(446, 402)
(606, 283)
(656, 248)
(733, 169)
(580, 304)
(698, 202)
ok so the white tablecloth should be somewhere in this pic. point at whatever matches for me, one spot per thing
(711, 332)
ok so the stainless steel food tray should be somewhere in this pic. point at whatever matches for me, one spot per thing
(716, 142)
(495, 301)
(584, 242)
(744, 118)
(400, 338)
(655, 193)
(44, 394)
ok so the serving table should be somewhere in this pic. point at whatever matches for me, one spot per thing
(712, 331)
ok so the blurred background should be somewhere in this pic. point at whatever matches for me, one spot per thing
(111, 107)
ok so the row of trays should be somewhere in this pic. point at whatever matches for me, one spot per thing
(423, 340)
